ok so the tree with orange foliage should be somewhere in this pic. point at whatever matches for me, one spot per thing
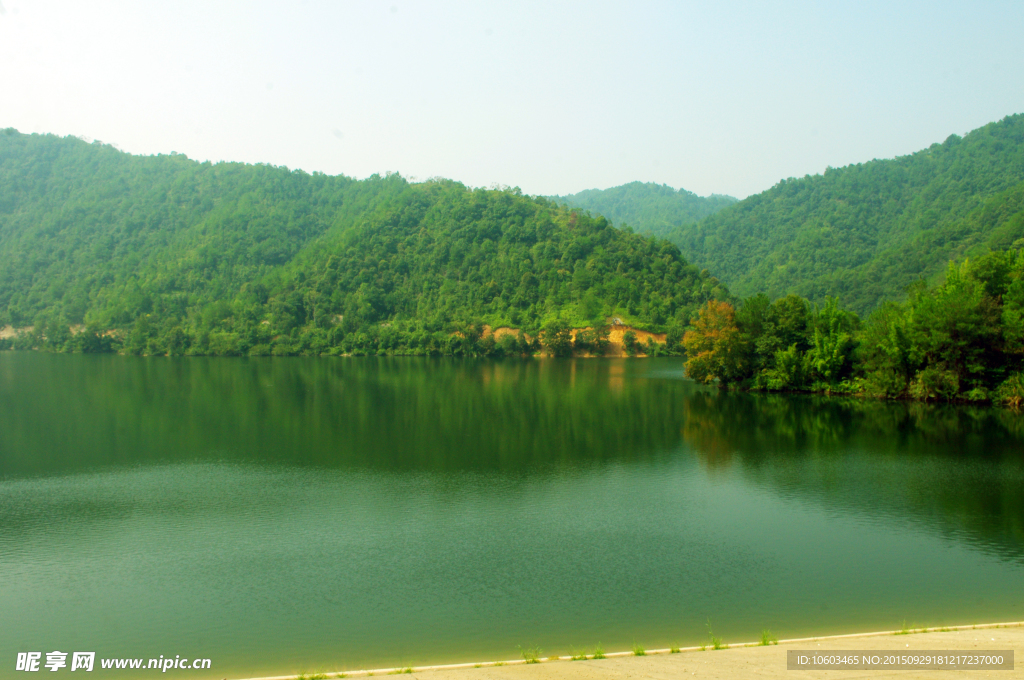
(715, 347)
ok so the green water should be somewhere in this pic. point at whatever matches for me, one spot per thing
(286, 515)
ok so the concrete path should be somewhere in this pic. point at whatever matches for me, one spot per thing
(757, 662)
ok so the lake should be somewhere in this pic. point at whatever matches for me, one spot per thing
(286, 515)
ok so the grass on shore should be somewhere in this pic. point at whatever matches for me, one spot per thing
(716, 642)
(530, 654)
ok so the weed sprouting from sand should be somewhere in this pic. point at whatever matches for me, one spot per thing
(341, 675)
(499, 663)
(638, 650)
(674, 649)
(577, 656)
(530, 654)
(318, 676)
(767, 638)
(904, 630)
(401, 671)
(716, 642)
(599, 651)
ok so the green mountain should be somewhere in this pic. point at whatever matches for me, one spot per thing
(647, 207)
(186, 257)
(865, 232)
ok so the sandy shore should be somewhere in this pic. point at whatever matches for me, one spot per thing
(738, 662)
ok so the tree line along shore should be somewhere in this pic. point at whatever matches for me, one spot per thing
(960, 340)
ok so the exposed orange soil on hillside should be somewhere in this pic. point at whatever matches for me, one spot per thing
(501, 332)
(616, 346)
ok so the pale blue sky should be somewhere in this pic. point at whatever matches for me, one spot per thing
(716, 97)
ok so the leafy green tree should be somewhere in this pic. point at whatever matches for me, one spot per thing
(955, 326)
(786, 323)
(557, 338)
(831, 356)
(630, 343)
(885, 352)
(790, 370)
(594, 341)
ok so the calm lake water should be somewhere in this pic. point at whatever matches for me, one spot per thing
(284, 515)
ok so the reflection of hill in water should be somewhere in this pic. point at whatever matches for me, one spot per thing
(957, 468)
(73, 412)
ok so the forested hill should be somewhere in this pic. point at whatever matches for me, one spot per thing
(648, 208)
(864, 232)
(182, 256)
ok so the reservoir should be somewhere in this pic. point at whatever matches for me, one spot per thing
(314, 515)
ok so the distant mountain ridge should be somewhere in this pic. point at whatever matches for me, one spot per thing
(648, 208)
(865, 232)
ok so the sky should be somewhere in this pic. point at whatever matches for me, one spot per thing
(719, 97)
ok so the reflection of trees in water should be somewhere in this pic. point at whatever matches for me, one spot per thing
(368, 412)
(720, 424)
(64, 413)
(959, 467)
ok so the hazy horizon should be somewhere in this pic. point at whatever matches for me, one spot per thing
(553, 98)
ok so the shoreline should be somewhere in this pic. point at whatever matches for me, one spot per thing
(990, 402)
(547, 666)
